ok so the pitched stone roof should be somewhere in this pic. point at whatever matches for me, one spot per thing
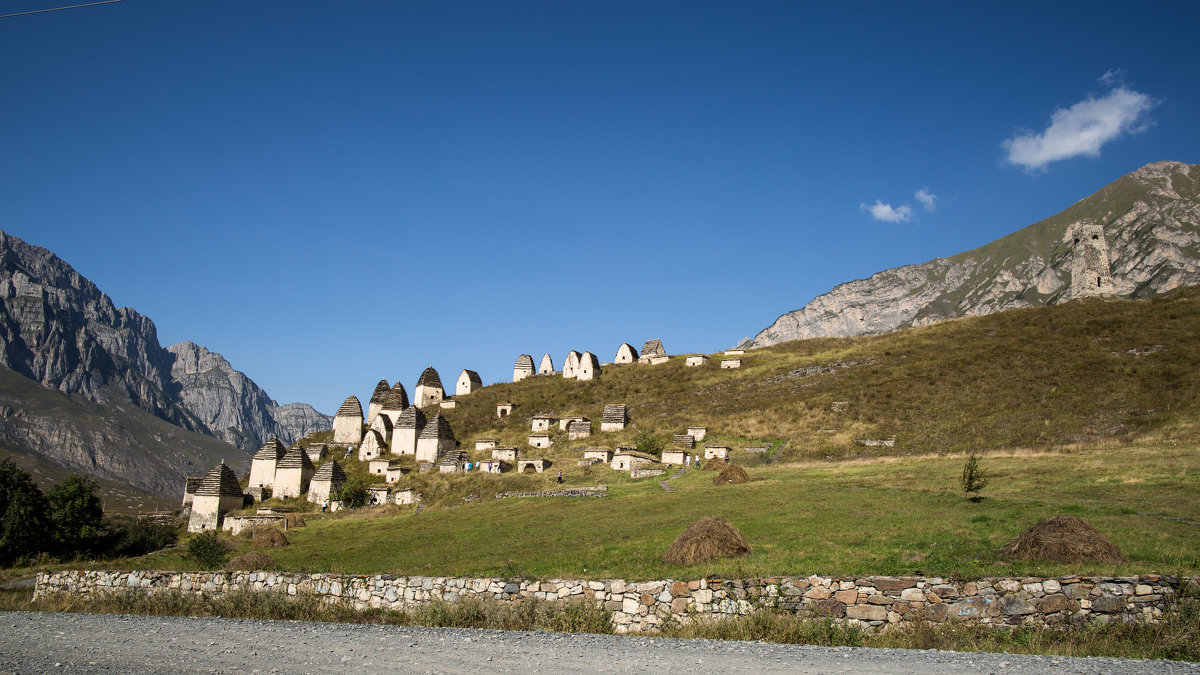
(350, 408)
(524, 362)
(411, 418)
(653, 347)
(572, 357)
(547, 364)
(396, 398)
(590, 359)
(472, 377)
(454, 458)
(191, 484)
(438, 428)
(272, 451)
(331, 471)
(579, 425)
(295, 459)
(633, 353)
(219, 482)
(381, 390)
(614, 412)
(429, 378)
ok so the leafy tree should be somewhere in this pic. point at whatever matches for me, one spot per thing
(648, 443)
(208, 549)
(77, 517)
(973, 479)
(353, 494)
(132, 539)
(23, 520)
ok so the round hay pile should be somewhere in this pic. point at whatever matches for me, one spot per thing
(732, 473)
(251, 561)
(295, 520)
(269, 537)
(529, 468)
(709, 538)
(1065, 539)
(714, 464)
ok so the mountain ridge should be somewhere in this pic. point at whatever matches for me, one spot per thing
(59, 330)
(1151, 224)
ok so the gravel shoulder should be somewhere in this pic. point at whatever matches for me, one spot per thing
(40, 642)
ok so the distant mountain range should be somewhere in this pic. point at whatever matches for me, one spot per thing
(1151, 226)
(60, 331)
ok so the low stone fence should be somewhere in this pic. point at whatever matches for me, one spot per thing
(867, 601)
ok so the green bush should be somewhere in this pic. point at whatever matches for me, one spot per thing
(208, 549)
(353, 494)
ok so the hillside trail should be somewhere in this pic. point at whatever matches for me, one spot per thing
(778, 451)
(666, 485)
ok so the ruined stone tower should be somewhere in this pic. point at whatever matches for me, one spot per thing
(1089, 266)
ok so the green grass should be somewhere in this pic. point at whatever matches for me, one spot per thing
(853, 517)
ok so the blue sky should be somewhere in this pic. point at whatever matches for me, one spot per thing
(330, 193)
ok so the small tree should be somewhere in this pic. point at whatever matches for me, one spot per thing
(77, 516)
(23, 521)
(649, 444)
(208, 549)
(973, 478)
(353, 494)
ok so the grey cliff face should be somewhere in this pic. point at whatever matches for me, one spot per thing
(57, 328)
(231, 405)
(60, 331)
(1150, 224)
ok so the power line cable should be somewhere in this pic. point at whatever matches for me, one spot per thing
(56, 9)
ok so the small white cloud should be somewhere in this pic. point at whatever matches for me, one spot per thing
(1084, 128)
(888, 213)
(928, 199)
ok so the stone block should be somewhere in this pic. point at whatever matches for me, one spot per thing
(913, 594)
(880, 600)
(1076, 591)
(630, 605)
(892, 583)
(1051, 586)
(681, 590)
(867, 613)
(1056, 602)
(1142, 589)
(817, 593)
(831, 607)
(849, 596)
(703, 596)
(1013, 605)
(1109, 604)
(679, 605)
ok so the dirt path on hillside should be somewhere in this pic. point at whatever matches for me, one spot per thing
(41, 642)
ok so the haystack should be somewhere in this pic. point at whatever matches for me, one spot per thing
(1065, 539)
(714, 464)
(269, 537)
(250, 562)
(732, 473)
(529, 468)
(709, 538)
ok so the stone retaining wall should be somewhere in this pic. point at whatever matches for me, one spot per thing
(866, 601)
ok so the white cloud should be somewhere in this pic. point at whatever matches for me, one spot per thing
(1083, 128)
(928, 199)
(888, 213)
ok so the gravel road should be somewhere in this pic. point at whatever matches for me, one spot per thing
(43, 642)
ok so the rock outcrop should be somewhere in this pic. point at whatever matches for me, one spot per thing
(1150, 220)
(232, 406)
(62, 333)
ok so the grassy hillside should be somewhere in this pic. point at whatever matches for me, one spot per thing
(1038, 378)
(1087, 408)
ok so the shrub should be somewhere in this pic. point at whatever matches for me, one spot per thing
(135, 539)
(208, 549)
(973, 479)
(353, 494)
(649, 444)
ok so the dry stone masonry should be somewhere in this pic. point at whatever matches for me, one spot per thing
(870, 602)
(523, 367)
(347, 423)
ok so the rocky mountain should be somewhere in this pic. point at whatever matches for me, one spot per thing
(60, 331)
(232, 406)
(1136, 237)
